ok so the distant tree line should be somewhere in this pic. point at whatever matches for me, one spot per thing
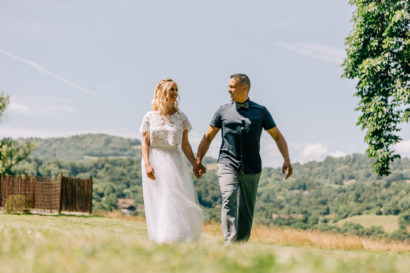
(317, 196)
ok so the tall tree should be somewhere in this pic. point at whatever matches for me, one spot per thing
(378, 57)
(4, 100)
(11, 152)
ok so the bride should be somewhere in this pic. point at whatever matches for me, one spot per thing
(171, 206)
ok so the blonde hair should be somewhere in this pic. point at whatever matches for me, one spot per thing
(160, 101)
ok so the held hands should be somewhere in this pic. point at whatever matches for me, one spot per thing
(288, 168)
(149, 170)
(199, 169)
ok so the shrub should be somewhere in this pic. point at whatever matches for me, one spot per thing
(17, 203)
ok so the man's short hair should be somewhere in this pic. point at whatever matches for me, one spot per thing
(243, 79)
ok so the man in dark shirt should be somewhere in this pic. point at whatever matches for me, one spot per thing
(239, 162)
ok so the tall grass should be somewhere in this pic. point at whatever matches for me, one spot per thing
(311, 238)
(302, 238)
(32, 243)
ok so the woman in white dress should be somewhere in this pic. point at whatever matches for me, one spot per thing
(171, 205)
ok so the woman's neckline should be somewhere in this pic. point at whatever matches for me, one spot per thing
(159, 114)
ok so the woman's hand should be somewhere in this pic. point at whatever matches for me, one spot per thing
(149, 170)
(199, 169)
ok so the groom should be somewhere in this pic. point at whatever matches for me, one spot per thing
(239, 163)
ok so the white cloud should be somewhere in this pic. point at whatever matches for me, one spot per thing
(16, 132)
(19, 132)
(338, 153)
(317, 51)
(42, 108)
(19, 108)
(315, 151)
(55, 109)
(48, 73)
(403, 148)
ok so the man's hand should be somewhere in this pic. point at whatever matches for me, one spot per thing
(149, 170)
(199, 169)
(288, 168)
(203, 147)
(283, 148)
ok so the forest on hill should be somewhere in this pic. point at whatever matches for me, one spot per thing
(316, 196)
(85, 147)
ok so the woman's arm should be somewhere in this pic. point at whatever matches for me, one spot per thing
(145, 155)
(187, 149)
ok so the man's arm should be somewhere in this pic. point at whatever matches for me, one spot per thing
(204, 146)
(283, 148)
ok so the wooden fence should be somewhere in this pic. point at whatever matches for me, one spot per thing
(50, 195)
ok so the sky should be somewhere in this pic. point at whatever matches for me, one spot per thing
(75, 67)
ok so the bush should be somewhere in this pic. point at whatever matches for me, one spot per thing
(404, 219)
(17, 203)
(400, 234)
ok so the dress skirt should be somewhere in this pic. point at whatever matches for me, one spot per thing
(171, 206)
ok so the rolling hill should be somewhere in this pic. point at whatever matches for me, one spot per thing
(85, 147)
(318, 195)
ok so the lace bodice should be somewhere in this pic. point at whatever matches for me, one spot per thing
(165, 131)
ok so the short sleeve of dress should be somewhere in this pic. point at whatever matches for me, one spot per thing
(217, 120)
(145, 123)
(186, 125)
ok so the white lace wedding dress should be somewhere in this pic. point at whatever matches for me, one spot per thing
(171, 205)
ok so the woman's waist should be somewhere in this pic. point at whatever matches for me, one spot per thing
(165, 147)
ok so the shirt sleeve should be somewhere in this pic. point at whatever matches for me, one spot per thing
(217, 119)
(145, 124)
(268, 122)
(185, 123)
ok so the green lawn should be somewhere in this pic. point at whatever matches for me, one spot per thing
(32, 243)
(389, 223)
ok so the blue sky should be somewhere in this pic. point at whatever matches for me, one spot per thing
(75, 67)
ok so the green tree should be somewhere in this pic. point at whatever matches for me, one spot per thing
(11, 152)
(4, 100)
(378, 57)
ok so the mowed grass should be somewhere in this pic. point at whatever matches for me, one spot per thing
(389, 223)
(33, 243)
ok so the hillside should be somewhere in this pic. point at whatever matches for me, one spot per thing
(99, 244)
(317, 196)
(85, 147)
(389, 223)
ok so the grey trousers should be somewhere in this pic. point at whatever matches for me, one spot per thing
(238, 202)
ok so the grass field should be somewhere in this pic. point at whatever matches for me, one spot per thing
(389, 223)
(32, 243)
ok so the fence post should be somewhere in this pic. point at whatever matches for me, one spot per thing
(60, 180)
(33, 189)
(91, 190)
(1, 178)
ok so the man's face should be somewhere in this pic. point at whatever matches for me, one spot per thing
(239, 93)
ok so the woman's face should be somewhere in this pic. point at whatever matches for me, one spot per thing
(172, 93)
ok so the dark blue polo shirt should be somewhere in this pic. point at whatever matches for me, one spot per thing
(241, 132)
